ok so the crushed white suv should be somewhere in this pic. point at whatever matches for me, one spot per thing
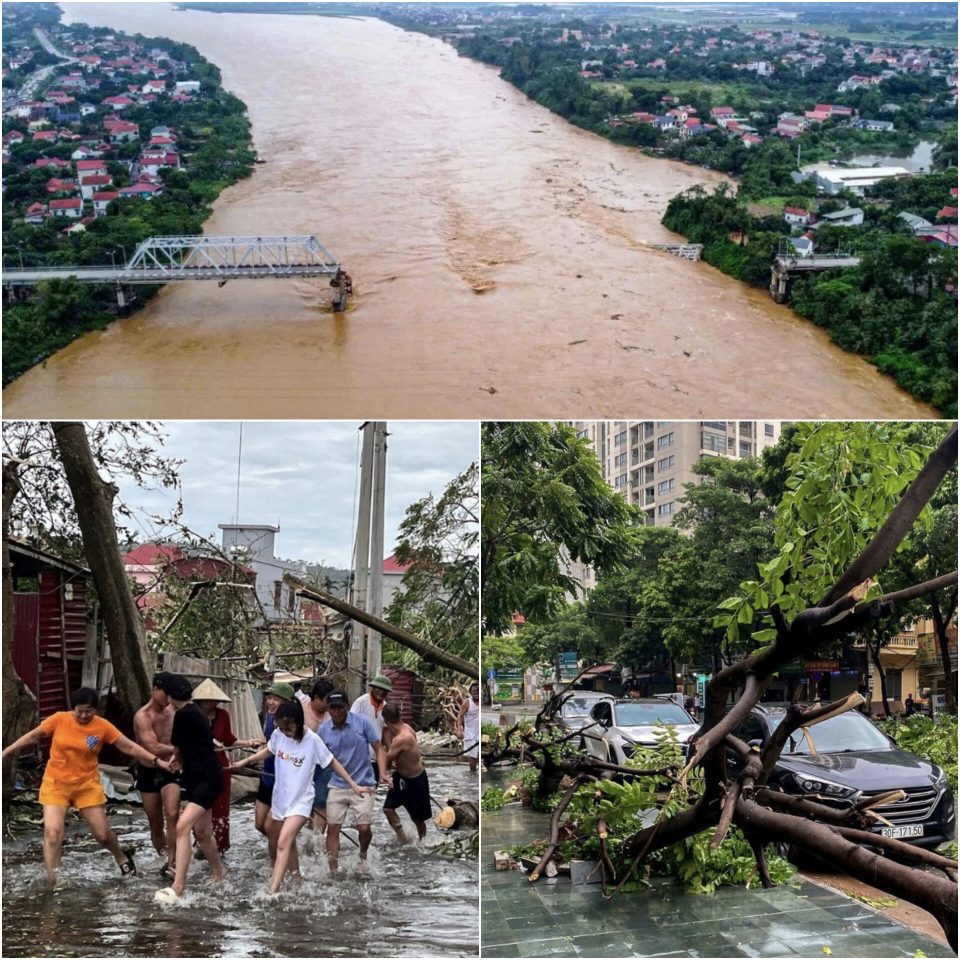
(626, 724)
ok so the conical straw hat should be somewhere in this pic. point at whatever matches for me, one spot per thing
(208, 690)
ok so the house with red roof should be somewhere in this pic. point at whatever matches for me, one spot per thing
(152, 564)
(154, 86)
(56, 185)
(79, 227)
(153, 162)
(719, 113)
(93, 183)
(36, 213)
(118, 103)
(91, 167)
(52, 162)
(947, 213)
(797, 216)
(72, 209)
(85, 153)
(144, 190)
(45, 136)
(102, 199)
(122, 132)
(13, 137)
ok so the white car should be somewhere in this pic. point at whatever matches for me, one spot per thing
(624, 724)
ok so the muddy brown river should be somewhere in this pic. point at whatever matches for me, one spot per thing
(500, 259)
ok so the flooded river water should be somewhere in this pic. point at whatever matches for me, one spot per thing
(413, 903)
(500, 259)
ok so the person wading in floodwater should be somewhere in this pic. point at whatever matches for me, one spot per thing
(72, 776)
(314, 714)
(468, 726)
(369, 705)
(159, 789)
(350, 737)
(411, 788)
(202, 780)
(274, 695)
(297, 750)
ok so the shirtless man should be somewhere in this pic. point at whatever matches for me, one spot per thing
(159, 789)
(314, 713)
(411, 788)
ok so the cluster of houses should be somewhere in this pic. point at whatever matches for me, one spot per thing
(81, 188)
(682, 119)
(762, 52)
(942, 233)
(684, 122)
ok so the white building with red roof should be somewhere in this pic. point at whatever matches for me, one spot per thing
(72, 209)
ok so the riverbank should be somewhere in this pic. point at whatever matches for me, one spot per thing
(117, 163)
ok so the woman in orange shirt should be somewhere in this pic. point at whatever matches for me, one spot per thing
(72, 775)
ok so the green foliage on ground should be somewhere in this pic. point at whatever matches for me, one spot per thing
(630, 805)
(934, 740)
(492, 799)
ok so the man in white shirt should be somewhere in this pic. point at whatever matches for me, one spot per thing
(370, 705)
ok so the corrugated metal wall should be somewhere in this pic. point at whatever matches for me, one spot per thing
(50, 636)
(233, 680)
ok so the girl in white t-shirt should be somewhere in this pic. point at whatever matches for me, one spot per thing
(298, 751)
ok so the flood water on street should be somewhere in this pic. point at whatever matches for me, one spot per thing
(412, 904)
(501, 260)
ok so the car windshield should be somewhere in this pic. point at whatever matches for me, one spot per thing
(578, 706)
(849, 731)
(647, 714)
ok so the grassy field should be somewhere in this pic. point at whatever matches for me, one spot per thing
(942, 35)
(684, 88)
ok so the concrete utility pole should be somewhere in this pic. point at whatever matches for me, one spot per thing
(358, 643)
(375, 581)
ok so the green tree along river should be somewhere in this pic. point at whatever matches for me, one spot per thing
(502, 259)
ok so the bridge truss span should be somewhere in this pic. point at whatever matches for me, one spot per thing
(296, 255)
(173, 259)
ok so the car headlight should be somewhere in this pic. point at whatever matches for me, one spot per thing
(941, 780)
(824, 787)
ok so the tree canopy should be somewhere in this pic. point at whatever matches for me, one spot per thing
(545, 504)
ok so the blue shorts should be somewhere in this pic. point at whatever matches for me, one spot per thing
(321, 785)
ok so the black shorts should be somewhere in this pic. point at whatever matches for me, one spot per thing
(265, 792)
(154, 779)
(204, 792)
(413, 794)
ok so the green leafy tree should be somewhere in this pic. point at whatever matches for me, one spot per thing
(438, 599)
(844, 479)
(545, 504)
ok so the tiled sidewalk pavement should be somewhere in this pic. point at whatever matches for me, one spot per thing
(552, 918)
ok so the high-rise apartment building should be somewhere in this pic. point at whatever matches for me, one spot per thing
(649, 461)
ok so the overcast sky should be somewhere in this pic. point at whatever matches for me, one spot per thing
(302, 477)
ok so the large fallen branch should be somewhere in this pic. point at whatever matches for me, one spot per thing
(427, 651)
(740, 797)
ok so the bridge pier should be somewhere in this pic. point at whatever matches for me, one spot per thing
(779, 285)
(343, 287)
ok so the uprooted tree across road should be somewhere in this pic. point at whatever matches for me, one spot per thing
(728, 797)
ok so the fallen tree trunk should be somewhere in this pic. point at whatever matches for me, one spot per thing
(458, 815)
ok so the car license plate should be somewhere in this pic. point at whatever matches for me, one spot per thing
(910, 830)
